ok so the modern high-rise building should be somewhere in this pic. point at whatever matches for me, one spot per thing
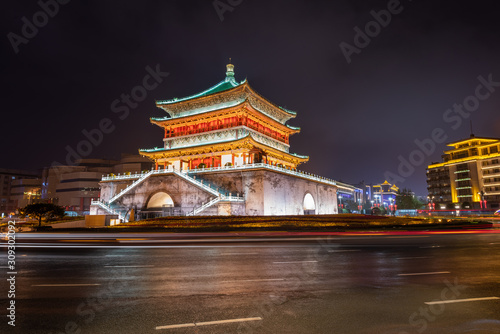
(9, 188)
(468, 177)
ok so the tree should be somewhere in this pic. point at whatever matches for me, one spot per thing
(350, 205)
(42, 210)
(405, 200)
(367, 207)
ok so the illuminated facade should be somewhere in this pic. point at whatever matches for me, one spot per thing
(383, 194)
(227, 125)
(225, 151)
(12, 189)
(26, 191)
(468, 177)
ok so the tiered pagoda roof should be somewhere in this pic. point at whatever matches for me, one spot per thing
(232, 105)
(227, 93)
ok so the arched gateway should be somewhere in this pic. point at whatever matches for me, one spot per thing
(160, 200)
(309, 205)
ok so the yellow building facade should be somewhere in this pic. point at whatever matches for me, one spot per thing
(468, 177)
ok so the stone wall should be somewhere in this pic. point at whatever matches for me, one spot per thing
(265, 192)
(184, 194)
(273, 193)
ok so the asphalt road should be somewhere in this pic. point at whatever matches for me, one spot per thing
(251, 283)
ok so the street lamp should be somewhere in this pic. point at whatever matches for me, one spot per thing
(482, 201)
(430, 199)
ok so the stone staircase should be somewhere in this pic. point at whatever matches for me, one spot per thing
(108, 208)
(131, 186)
(204, 206)
(200, 183)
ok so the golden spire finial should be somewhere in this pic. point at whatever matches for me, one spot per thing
(230, 70)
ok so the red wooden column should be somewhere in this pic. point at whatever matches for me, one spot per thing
(232, 158)
(156, 165)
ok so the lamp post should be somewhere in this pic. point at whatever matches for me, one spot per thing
(482, 202)
(430, 199)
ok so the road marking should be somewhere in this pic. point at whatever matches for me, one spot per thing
(295, 262)
(460, 300)
(66, 284)
(255, 280)
(429, 273)
(176, 326)
(226, 321)
(207, 323)
(412, 257)
(141, 266)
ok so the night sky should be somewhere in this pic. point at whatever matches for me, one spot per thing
(358, 119)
